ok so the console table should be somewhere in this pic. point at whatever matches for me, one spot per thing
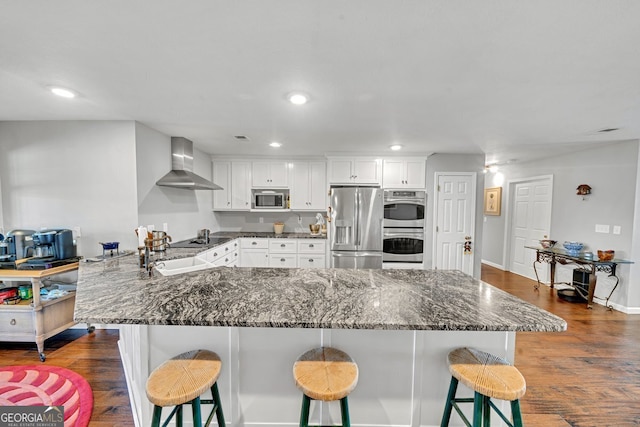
(588, 265)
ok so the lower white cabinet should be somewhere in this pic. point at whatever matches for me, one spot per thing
(254, 252)
(226, 255)
(311, 253)
(311, 261)
(283, 260)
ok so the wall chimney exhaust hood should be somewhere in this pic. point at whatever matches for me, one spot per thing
(181, 174)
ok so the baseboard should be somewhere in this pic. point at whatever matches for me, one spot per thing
(493, 264)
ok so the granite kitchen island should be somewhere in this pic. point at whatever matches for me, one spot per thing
(398, 325)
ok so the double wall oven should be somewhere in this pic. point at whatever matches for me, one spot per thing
(403, 226)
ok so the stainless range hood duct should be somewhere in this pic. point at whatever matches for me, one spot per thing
(181, 174)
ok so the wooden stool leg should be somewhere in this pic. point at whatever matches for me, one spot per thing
(486, 411)
(478, 405)
(197, 416)
(157, 415)
(453, 387)
(516, 414)
(344, 411)
(218, 403)
(304, 413)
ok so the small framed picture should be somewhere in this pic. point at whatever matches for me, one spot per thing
(492, 200)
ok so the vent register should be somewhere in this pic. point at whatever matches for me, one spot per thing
(181, 174)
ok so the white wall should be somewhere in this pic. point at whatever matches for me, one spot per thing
(65, 174)
(185, 211)
(454, 163)
(612, 172)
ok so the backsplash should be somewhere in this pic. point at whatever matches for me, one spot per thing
(251, 221)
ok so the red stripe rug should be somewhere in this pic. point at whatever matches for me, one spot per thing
(44, 385)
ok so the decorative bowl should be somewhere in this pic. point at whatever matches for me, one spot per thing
(606, 255)
(548, 244)
(314, 228)
(573, 247)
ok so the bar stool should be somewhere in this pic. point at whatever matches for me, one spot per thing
(325, 374)
(183, 379)
(489, 377)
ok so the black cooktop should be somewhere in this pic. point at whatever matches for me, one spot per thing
(198, 243)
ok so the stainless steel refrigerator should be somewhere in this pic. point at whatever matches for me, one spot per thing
(356, 227)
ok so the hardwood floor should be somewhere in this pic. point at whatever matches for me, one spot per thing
(588, 376)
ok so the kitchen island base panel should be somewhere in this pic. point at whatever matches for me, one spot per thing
(403, 374)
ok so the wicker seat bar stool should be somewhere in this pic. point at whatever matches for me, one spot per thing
(325, 374)
(489, 377)
(182, 380)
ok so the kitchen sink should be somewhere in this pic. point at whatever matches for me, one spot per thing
(182, 265)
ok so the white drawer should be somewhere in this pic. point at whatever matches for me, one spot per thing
(16, 321)
(282, 246)
(214, 254)
(282, 261)
(311, 246)
(311, 261)
(254, 243)
(226, 259)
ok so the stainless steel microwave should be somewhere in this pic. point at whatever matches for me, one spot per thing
(269, 199)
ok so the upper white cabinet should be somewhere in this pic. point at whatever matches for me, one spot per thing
(404, 173)
(355, 171)
(308, 186)
(222, 177)
(269, 174)
(241, 185)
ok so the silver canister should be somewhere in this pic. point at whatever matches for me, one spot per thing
(203, 234)
(160, 239)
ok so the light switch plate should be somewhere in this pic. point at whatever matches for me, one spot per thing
(617, 229)
(601, 228)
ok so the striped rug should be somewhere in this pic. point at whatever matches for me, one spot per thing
(43, 385)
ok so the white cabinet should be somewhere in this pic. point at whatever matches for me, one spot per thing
(222, 177)
(241, 185)
(404, 173)
(282, 253)
(254, 252)
(226, 255)
(308, 186)
(311, 253)
(355, 171)
(269, 174)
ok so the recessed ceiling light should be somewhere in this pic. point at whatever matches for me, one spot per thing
(298, 98)
(396, 147)
(65, 93)
(275, 144)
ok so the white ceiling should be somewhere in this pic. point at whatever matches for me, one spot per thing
(512, 79)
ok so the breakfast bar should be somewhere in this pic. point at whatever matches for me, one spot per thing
(398, 325)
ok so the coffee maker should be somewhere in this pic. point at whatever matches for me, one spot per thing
(52, 245)
(17, 241)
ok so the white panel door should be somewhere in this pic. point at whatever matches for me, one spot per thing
(530, 222)
(455, 221)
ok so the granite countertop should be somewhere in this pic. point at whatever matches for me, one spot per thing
(119, 292)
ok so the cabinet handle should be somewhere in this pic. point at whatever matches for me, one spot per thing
(282, 260)
(235, 245)
(226, 249)
(310, 245)
(283, 245)
(310, 259)
(228, 203)
(215, 254)
(254, 243)
(12, 322)
(226, 260)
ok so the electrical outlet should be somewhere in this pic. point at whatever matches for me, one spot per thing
(261, 220)
(617, 229)
(300, 220)
(600, 228)
(165, 227)
(77, 232)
